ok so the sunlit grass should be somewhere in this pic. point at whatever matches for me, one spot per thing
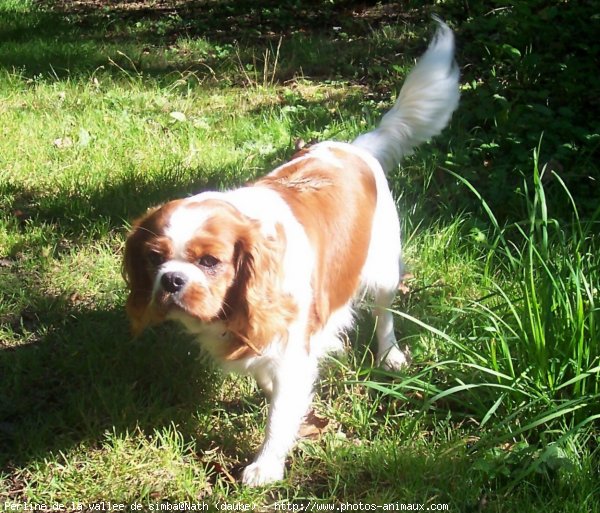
(524, 351)
(499, 410)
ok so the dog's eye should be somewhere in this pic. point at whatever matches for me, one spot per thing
(208, 261)
(156, 258)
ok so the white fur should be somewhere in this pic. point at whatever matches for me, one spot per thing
(425, 104)
(286, 372)
(183, 223)
(287, 375)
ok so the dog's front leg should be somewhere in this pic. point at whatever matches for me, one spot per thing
(290, 401)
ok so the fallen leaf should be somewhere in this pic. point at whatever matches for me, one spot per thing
(403, 286)
(21, 215)
(63, 142)
(5, 262)
(178, 116)
(313, 426)
(221, 470)
(84, 137)
(299, 144)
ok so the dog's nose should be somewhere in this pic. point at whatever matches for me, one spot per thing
(173, 282)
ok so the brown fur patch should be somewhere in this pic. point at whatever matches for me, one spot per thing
(146, 236)
(259, 310)
(335, 205)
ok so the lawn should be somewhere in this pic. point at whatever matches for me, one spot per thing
(108, 108)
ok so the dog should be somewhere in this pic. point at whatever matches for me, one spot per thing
(266, 276)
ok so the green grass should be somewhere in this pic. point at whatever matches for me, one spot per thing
(107, 111)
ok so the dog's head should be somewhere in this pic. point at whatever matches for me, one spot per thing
(203, 261)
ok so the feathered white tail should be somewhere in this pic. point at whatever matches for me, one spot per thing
(424, 106)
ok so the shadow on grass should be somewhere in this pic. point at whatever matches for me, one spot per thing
(84, 376)
(68, 39)
(77, 213)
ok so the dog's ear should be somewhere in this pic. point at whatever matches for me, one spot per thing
(137, 275)
(259, 309)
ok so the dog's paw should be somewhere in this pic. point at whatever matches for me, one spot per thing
(262, 473)
(394, 359)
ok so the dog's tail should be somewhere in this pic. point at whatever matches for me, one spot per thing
(424, 106)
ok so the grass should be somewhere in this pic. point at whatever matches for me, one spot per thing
(109, 109)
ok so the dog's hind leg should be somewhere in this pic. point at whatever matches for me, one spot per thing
(389, 355)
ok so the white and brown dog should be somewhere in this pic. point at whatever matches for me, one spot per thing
(267, 275)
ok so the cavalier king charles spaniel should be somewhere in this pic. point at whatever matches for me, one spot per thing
(267, 276)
